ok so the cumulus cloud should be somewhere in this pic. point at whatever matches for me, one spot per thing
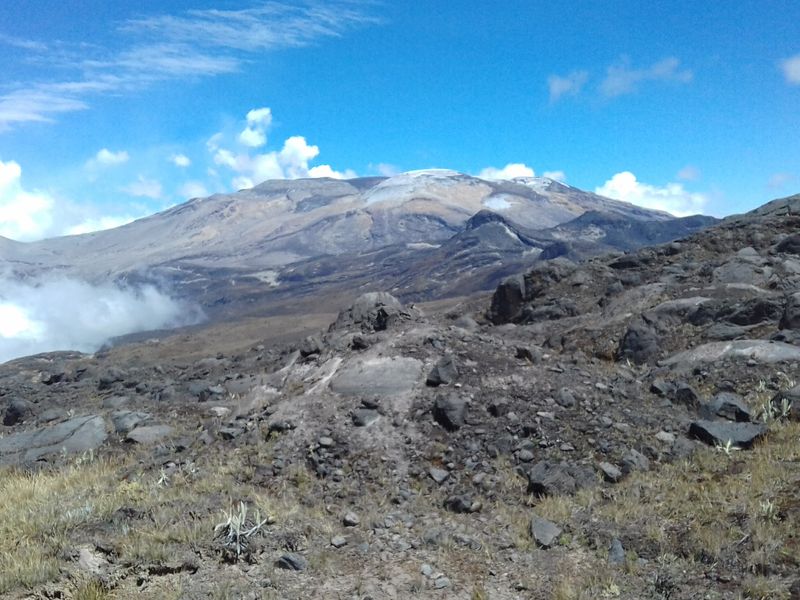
(791, 69)
(556, 175)
(510, 171)
(145, 188)
(292, 161)
(622, 79)
(254, 135)
(193, 189)
(567, 85)
(180, 160)
(672, 197)
(24, 215)
(107, 158)
(689, 173)
(779, 180)
(67, 314)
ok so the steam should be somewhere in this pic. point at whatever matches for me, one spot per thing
(68, 314)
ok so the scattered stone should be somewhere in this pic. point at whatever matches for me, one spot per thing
(616, 553)
(149, 434)
(17, 411)
(325, 441)
(351, 519)
(444, 372)
(665, 437)
(338, 541)
(126, 420)
(685, 394)
(310, 345)
(364, 417)
(547, 478)
(441, 583)
(641, 343)
(438, 475)
(722, 433)
(544, 532)
(633, 460)
(610, 473)
(565, 398)
(292, 562)
(220, 412)
(461, 503)
(729, 406)
(450, 411)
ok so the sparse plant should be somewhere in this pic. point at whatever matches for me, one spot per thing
(237, 530)
(727, 448)
(768, 510)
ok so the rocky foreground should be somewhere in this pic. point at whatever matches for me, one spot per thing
(626, 427)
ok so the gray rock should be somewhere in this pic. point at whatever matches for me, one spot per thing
(17, 411)
(791, 313)
(438, 475)
(641, 343)
(351, 519)
(616, 553)
(685, 394)
(545, 533)
(727, 405)
(292, 562)
(444, 372)
(441, 583)
(450, 411)
(508, 300)
(610, 473)
(374, 311)
(338, 541)
(788, 401)
(461, 503)
(310, 345)
(790, 244)
(739, 435)
(761, 351)
(547, 478)
(149, 434)
(633, 460)
(364, 417)
(78, 434)
(382, 376)
(125, 420)
(566, 398)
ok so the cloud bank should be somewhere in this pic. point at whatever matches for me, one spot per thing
(672, 198)
(249, 167)
(510, 171)
(66, 314)
(791, 69)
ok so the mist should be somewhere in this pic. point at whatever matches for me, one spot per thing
(69, 314)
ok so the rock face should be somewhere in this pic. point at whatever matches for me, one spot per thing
(79, 434)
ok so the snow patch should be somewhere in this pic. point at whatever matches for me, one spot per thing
(497, 202)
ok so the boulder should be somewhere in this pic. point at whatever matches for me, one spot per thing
(641, 343)
(17, 411)
(444, 372)
(126, 420)
(722, 433)
(762, 351)
(728, 406)
(379, 376)
(791, 313)
(548, 478)
(790, 244)
(373, 311)
(450, 411)
(545, 533)
(78, 434)
(149, 434)
(508, 300)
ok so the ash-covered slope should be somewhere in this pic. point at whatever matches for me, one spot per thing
(281, 238)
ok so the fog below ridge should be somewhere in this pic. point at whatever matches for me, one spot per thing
(69, 314)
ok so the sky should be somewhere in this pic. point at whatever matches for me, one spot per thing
(110, 111)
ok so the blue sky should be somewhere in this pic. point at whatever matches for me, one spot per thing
(112, 110)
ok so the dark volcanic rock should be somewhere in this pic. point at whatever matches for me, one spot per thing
(641, 344)
(374, 311)
(79, 434)
(444, 372)
(17, 411)
(547, 478)
(450, 411)
(545, 533)
(739, 435)
(508, 300)
(791, 314)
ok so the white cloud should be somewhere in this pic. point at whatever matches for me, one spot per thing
(567, 85)
(290, 162)
(146, 188)
(555, 175)
(98, 224)
(170, 47)
(779, 180)
(64, 314)
(791, 69)
(24, 215)
(180, 160)
(107, 158)
(622, 79)
(689, 173)
(258, 122)
(672, 197)
(385, 169)
(510, 171)
(193, 189)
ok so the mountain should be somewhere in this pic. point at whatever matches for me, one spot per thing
(623, 427)
(264, 247)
